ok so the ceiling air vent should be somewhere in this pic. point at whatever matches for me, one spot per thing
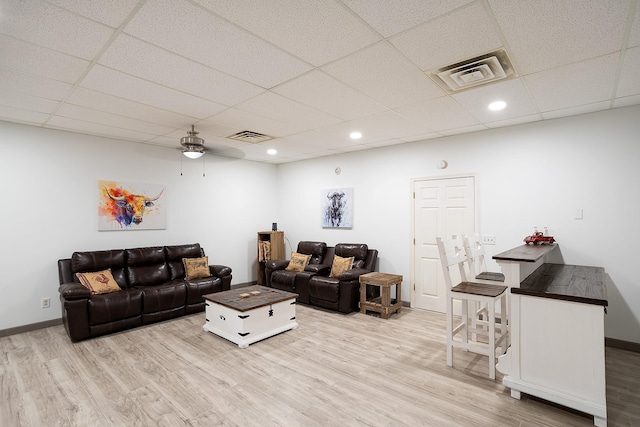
(474, 72)
(250, 137)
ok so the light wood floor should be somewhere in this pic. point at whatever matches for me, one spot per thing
(333, 370)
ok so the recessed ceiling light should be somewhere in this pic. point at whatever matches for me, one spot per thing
(355, 135)
(497, 105)
(272, 151)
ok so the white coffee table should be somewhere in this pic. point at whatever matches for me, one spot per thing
(246, 320)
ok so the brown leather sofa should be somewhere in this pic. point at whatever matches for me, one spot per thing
(315, 287)
(152, 285)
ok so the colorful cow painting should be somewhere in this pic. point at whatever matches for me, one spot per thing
(130, 206)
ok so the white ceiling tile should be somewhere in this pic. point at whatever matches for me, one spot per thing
(316, 140)
(33, 85)
(477, 100)
(384, 126)
(244, 120)
(514, 121)
(626, 101)
(547, 34)
(629, 83)
(22, 56)
(422, 137)
(574, 111)
(113, 82)
(583, 83)
(111, 12)
(318, 90)
(460, 131)
(50, 26)
(27, 102)
(438, 114)
(171, 24)
(14, 114)
(392, 17)
(124, 107)
(462, 34)
(282, 109)
(634, 35)
(80, 126)
(148, 62)
(115, 120)
(385, 75)
(318, 32)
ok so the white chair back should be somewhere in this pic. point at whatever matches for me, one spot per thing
(452, 253)
(475, 254)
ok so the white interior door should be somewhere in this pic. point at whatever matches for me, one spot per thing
(442, 207)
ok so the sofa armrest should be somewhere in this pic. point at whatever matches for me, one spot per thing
(220, 270)
(74, 291)
(353, 274)
(278, 264)
(319, 269)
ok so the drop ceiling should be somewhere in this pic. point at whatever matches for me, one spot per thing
(307, 73)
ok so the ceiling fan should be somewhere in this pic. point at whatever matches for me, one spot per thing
(192, 145)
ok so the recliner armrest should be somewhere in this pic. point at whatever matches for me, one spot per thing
(353, 274)
(278, 264)
(220, 270)
(72, 291)
(320, 269)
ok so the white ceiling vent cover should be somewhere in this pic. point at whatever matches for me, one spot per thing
(250, 137)
(477, 71)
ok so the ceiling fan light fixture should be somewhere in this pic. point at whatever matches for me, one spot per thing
(193, 144)
(192, 153)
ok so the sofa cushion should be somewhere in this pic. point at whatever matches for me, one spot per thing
(356, 250)
(324, 288)
(115, 306)
(196, 268)
(82, 262)
(283, 280)
(147, 266)
(199, 287)
(298, 262)
(163, 297)
(175, 254)
(99, 282)
(340, 265)
(315, 249)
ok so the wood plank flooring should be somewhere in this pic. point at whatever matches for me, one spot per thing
(333, 370)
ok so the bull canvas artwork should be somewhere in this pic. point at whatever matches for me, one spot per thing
(337, 207)
(130, 206)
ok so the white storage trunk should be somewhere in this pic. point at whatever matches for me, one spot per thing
(251, 325)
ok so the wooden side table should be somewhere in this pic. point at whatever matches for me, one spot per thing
(383, 303)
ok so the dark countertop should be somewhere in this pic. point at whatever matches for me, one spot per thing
(575, 283)
(525, 253)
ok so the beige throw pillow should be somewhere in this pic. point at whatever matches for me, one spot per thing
(196, 268)
(340, 265)
(298, 262)
(99, 282)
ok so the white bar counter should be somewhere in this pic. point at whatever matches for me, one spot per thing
(557, 336)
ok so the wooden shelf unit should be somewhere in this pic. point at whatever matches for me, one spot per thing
(276, 239)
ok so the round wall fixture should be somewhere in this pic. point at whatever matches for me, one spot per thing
(338, 171)
(442, 164)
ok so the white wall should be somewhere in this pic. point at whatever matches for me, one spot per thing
(48, 193)
(529, 175)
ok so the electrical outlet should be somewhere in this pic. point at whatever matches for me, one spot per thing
(488, 240)
(45, 302)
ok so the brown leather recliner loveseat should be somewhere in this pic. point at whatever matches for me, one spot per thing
(314, 286)
(153, 287)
